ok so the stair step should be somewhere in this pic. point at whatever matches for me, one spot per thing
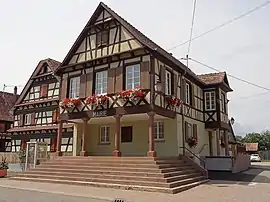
(185, 187)
(186, 181)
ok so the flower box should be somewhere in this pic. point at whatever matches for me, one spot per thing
(192, 142)
(97, 100)
(131, 95)
(70, 103)
(173, 101)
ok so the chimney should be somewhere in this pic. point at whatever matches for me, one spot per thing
(15, 90)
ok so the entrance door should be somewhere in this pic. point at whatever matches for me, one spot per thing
(210, 136)
(126, 134)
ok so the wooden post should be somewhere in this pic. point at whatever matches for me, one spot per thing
(116, 151)
(151, 146)
(59, 139)
(84, 131)
(218, 141)
(226, 139)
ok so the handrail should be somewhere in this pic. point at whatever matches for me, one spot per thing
(201, 161)
(203, 148)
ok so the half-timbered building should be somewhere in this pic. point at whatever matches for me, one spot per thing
(128, 96)
(36, 111)
(7, 100)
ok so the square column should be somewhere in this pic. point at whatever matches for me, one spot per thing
(226, 139)
(151, 139)
(59, 139)
(84, 130)
(218, 141)
(116, 151)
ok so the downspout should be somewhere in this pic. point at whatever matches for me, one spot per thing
(183, 117)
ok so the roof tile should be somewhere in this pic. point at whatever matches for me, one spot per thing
(212, 78)
(7, 101)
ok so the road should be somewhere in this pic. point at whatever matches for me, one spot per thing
(16, 195)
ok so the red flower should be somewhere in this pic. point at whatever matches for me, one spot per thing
(171, 100)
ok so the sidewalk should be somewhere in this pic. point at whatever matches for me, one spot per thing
(210, 192)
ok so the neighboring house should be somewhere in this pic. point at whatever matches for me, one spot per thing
(125, 92)
(252, 147)
(7, 100)
(36, 111)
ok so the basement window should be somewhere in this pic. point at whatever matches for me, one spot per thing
(159, 130)
(104, 136)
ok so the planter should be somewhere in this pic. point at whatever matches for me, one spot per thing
(3, 173)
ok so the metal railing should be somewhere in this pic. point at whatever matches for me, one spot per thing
(202, 148)
(202, 162)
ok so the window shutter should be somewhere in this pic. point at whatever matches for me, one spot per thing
(175, 84)
(119, 79)
(192, 96)
(82, 86)
(33, 118)
(145, 79)
(186, 130)
(64, 87)
(195, 135)
(163, 77)
(55, 116)
(183, 89)
(89, 84)
(111, 79)
(21, 120)
(44, 90)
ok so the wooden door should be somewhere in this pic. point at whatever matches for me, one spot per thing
(126, 134)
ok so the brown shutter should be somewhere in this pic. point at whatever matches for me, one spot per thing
(183, 89)
(82, 86)
(21, 120)
(186, 130)
(192, 95)
(111, 79)
(195, 134)
(145, 79)
(33, 118)
(44, 90)
(175, 84)
(119, 79)
(64, 88)
(162, 77)
(89, 84)
(55, 115)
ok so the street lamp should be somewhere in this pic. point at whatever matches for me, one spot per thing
(158, 86)
(232, 120)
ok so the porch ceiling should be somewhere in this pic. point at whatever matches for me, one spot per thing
(125, 118)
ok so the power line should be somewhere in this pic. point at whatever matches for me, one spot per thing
(223, 24)
(192, 25)
(243, 80)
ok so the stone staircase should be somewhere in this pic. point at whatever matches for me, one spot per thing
(168, 175)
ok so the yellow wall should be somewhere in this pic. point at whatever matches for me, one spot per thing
(139, 145)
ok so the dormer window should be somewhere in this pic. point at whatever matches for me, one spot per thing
(103, 38)
(210, 100)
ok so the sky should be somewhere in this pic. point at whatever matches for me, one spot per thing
(34, 30)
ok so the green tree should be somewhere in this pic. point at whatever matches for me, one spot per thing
(239, 138)
(262, 138)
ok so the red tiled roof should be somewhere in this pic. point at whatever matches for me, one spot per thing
(251, 146)
(212, 78)
(7, 101)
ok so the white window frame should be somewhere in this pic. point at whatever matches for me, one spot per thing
(106, 134)
(211, 104)
(101, 82)
(27, 119)
(188, 93)
(134, 74)
(223, 103)
(190, 130)
(74, 87)
(159, 130)
(168, 82)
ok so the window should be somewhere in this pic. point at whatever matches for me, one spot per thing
(101, 82)
(210, 100)
(44, 118)
(168, 83)
(126, 134)
(34, 94)
(132, 76)
(102, 38)
(189, 130)
(188, 93)
(16, 121)
(223, 102)
(27, 119)
(74, 87)
(159, 130)
(104, 134)
(53, 90)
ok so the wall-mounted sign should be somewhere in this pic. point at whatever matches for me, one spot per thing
(100, 113)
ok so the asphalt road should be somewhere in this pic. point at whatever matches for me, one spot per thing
(16, 195)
